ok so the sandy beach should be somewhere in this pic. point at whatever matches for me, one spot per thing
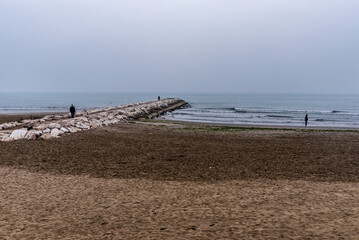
(168, 180)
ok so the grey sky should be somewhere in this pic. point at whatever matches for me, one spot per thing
(274, 46)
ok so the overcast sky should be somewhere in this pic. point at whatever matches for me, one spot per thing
(272, 46)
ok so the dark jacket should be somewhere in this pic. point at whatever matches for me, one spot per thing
(72, 109)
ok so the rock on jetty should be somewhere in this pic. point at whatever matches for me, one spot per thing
(53, 126)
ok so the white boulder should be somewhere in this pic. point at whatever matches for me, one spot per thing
(47, 130)
(46, 118)
(65, 130)
(18, 133)
(8, 139)
(108, 122)
(56, 132)
(46, 136)
(94, 124)
(119, 117)
(73, 129)
(3, 136)
(41, 126)
(33, 134)
(26, 121)
(82, 126)
(8, 125)
(82, 119)
(54, 125)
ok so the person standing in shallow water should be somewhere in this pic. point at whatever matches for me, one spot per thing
(72, 111)
(306, 119)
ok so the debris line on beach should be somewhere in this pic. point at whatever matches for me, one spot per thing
(52, 126)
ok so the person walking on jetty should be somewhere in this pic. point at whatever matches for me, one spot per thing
(159, 98)
(72, 111)
(306, 119)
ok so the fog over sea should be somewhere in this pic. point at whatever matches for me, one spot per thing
(251, 109)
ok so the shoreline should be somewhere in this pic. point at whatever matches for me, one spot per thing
(10, 117)
(262, 126)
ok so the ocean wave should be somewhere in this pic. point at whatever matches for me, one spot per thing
(292, 111)
(288, 111)
(269, 111)
(278, 116)
(324, 120)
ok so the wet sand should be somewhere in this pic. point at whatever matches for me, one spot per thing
(163, 180)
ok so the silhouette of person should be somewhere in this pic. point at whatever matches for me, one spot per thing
(159, 98)
(306, 119)
(72, 111)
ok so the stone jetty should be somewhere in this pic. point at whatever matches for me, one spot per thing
(53, 126)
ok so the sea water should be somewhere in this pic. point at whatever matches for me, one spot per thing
(61, 102)
(251, 109)
(271, 109)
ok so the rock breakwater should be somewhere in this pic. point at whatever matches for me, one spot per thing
(53, 126)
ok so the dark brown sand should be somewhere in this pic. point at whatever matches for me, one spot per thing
(155, 180)
(4, 118)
